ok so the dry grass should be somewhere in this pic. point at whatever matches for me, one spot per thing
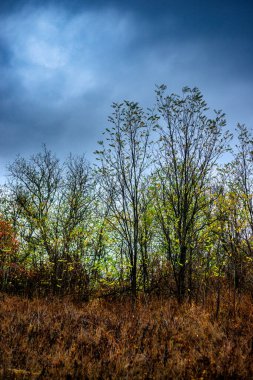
(158, 339)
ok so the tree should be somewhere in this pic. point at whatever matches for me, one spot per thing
(242, 169)
(189, 146)
(34, 184)
(53, 202)
(237, 180)
(125, 159)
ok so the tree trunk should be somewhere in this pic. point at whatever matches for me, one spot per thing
(133, 280)
(182, 273)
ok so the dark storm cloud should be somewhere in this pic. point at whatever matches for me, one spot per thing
(56, 63)
(62, 64)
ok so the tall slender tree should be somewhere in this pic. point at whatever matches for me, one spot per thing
(125, 159)
(189, 147)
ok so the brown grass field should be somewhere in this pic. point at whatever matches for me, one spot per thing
(155, 339)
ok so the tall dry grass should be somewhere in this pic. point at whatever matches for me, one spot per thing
(153, 339)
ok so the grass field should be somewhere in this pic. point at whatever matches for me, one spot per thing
(155, 339)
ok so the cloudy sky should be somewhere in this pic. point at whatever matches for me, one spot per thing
(62, 64)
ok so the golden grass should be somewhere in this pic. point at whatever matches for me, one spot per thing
(156, 339)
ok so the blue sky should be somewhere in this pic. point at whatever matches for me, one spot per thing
(62, 64)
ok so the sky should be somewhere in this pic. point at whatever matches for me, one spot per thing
(63, 63)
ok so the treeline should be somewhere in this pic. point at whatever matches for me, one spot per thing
(159, 212)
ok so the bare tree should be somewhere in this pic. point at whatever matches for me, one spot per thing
(125, 159)
(53, 204)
